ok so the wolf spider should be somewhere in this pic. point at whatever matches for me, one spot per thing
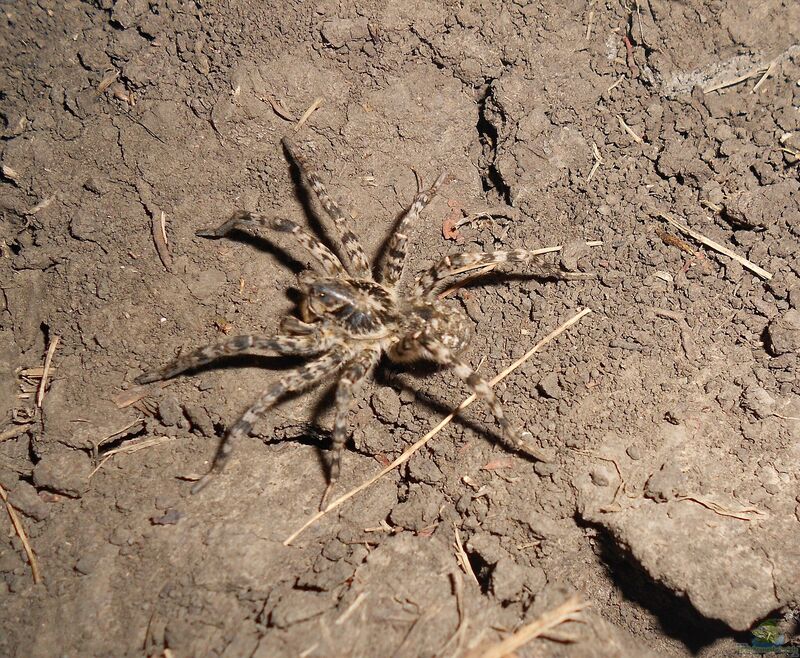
(349, 318)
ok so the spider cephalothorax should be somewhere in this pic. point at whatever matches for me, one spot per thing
(349, 318)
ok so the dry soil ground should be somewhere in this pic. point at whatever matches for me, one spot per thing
(671, 503)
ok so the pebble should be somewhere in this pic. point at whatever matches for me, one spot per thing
(549, 386)
(64, 472)
(169, 411)
(386, 403)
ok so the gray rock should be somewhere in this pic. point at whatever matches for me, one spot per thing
(64, 472)
(25, 498)
(386, 403)
(549, 386)
(784, 333)
(508, 580)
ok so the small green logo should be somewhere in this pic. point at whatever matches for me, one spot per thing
(767, 634)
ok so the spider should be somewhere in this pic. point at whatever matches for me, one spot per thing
(349, 318)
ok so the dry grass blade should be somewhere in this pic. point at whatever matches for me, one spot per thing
(764, 77)
(716, 246)
(567, 611)
(734, 81)
(20, 529)
(421, 442)
(740, 514)
(14, 431)
(46, 371)
(159, 232)
(280, 110)
(132, 447)
(461, 556)
(133, 395)
(317, 102)
(629, 130)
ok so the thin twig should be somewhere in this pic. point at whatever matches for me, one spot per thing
(598, 160)
(421, 442)
(568, 611)
(716, 246)
(723, 511)
(734, 81)
(317, 102)
(628, 129)
(351, 609)
(16, 430)
(46, 372)
(280, 110)
(132, 447)
(618, 82)
(158, 229)
(15, 521)
(764, 77)
(461, 556)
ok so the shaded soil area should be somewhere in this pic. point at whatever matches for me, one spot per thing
(670, 501)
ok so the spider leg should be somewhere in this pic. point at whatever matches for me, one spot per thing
(352, 247)
(440, 353)
(296, 380)
(349, 382)
(396, 254)
(242, 218)
(428, 281)
(289, 345)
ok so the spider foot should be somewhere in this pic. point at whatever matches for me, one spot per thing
(524, 443)
(202, 483)
(325, 494)
(237, 218)
(148, 378)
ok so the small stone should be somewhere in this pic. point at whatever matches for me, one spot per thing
(170, 517)
(386, 403)
(757, 400)
(169, 411)
(600, 477)
(544, 469)
(508, 579)
(299, 605)
(87, 563)
(25, 498)
(64, 472)
(165, 501)
(423, 469)
(120, 536)
(634, 452)
(200, 420)
(665, 484)
(784, 333)
(549, 386)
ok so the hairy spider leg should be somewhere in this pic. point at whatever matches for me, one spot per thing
(398, 245)
(296, 380)
(349, 382)
(440, 353)
(242, 218)
(289, 345)
(352, 247)
(428, 281)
